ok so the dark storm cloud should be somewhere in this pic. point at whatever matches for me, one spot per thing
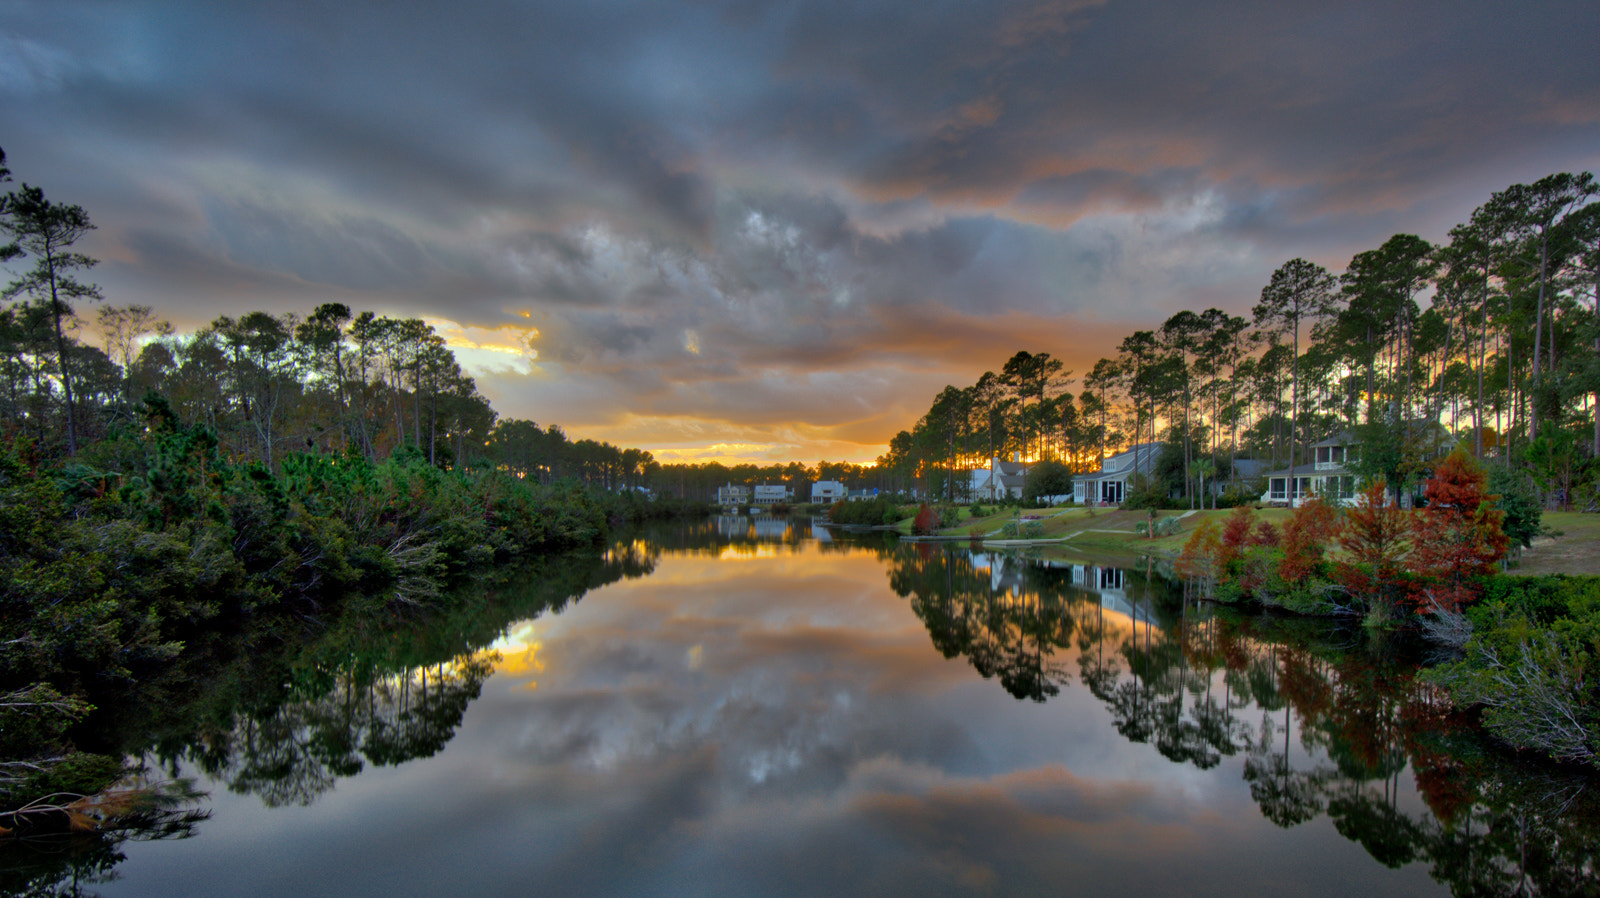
(707, 208)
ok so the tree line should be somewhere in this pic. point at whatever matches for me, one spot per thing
(1493, 335)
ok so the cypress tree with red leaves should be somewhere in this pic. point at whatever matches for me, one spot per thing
(1374, 536)
(1457, 537)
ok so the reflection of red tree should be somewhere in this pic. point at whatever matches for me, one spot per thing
(1304, 685)
(1446, 784)
(1235, 652)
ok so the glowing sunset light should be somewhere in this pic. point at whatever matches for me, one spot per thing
(764, 235)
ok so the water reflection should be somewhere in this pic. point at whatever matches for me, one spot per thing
(288, 711)
(747, 709)
(1327, 719)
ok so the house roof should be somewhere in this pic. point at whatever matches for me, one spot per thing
(1145, 461)
(1309, 469)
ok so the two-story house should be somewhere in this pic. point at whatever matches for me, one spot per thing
(1327, 474)
(770, 494)
(1109, 485)
(1001, 480)
(827, 491)
(731, 496)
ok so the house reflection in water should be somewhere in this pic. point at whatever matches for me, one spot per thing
(762, 528)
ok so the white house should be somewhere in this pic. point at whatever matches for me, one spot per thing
(730, 495)
(827, 491)
(1001, 480)
(1327, 474)
(1109, 485)
(770, 495)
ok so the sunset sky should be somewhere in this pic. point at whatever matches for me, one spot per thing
(771, 231)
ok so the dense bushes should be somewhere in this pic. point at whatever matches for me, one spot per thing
(874, 513)
(1531, 665)
(107, 576)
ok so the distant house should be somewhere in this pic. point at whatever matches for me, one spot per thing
(863, 495)
(1109, 485)
(770, 495)
(730, 495)
(827, 491)
(1001, 480)
(1327, 474)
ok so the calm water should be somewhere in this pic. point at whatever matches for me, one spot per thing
(745, 708)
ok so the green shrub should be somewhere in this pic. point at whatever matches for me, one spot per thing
(1533, 665)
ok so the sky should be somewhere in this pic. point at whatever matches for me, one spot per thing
(742, 230)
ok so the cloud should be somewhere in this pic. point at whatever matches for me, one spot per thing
(685, 197)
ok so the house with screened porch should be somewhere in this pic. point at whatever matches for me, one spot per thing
(1327, 473)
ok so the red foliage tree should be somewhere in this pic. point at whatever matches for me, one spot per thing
(1457, 536)
(1305, 538)
(1374, 537)
(1235, 536)
(927, 520)
(1266, 535)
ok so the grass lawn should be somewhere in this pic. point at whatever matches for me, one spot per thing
(1575, 551)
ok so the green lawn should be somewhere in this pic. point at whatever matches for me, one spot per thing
(1576, 550)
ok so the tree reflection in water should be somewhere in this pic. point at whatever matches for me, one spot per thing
(294, 752)
(287, 710)
(1340, 714)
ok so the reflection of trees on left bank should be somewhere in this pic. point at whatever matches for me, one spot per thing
(294, 751)
(286, 708)
(1326, 721)
(379, 690)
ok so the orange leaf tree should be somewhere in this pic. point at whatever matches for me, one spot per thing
(1374, 538)
(1457, 537)
(1305, 538)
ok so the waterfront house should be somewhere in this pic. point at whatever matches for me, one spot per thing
(770, 494)
(1001, 480)
(827, 491)
(1327, 474)
(1109, 485)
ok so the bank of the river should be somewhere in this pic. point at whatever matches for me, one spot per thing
(126, 572)
(1574, 547)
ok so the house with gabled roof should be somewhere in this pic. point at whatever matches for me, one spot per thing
(827, 492)
(1109, 485)
(1328, 473)
(1001, 480)
(732, 496)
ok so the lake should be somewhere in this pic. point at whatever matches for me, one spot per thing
(756, 707)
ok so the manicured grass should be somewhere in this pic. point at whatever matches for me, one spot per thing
(1575, 551)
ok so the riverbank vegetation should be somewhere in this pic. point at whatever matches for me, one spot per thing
(1521, 647)
(163, 493)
